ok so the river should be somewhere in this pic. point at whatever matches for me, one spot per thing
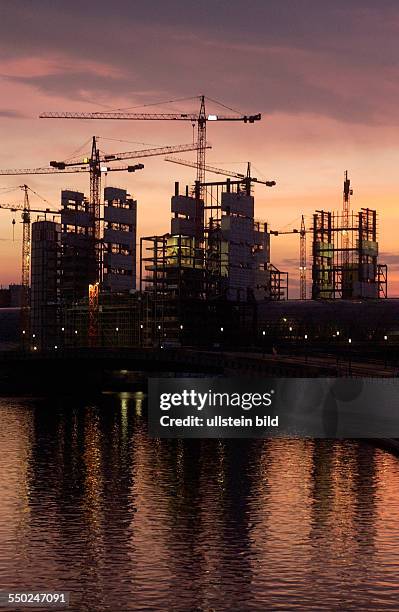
(91, 505)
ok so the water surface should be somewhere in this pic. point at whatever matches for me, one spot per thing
(89, 504)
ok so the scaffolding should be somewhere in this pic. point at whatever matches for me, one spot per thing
(171, 269)
(345, 256)
(278, 284)
(215, 253)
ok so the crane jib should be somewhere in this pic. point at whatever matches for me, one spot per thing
(150, 116)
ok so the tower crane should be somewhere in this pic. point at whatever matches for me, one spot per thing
(96, 164)
(26, 211)
(201, 119)
(302, 254)
(184, 162)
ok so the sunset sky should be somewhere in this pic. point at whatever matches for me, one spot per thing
(324, 75)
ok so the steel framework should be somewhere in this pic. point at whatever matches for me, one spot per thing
(302, 260)
(345, 256)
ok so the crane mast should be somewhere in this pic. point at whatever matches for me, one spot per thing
(345, 220)
(201, 139)
(95, 189)
(25, 247)
(25, 298)
(302, 260)
(302, 254)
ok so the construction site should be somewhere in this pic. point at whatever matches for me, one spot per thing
(208, 281)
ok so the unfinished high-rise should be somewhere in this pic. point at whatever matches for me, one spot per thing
(216, 252)
(345, 256)
(45, 283)
(215, 248)
(78, 261)
(119, 250)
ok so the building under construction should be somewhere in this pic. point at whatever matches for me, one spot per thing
(345, 253)
(64, 264)
(45, 282)
(78, 260)
(119, 241)
(216, 252)
(210, 273)
(345, 256)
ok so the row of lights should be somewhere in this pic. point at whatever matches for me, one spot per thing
(181, 327)
(62, 329)
(76, 331)
(334, 335)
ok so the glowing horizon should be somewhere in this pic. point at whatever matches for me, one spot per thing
(328, 104)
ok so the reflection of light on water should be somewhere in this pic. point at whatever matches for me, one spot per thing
(124, 397)
(105, 510)
(139, 397)
(93, 491)
(15, 479)
(221, 465)
(180, 459)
